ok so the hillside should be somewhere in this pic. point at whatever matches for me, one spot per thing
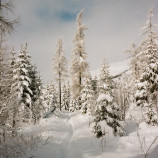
(115, 68)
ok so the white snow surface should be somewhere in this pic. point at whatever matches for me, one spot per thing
(72, 137)
(104, 96)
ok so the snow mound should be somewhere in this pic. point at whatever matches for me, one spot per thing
(104, 96)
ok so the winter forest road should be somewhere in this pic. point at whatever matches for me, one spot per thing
(71, 136)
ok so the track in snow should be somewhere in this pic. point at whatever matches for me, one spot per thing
(72, 138)
(69, 139)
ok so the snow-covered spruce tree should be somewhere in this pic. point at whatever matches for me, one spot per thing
(94, 83)
(60, 68)
(87, 95)
(147, 86)
(22, 82)
(65, 97)
(73, 105)
(27, 87)
(137, 65)
(35, 86)
(107, 112)
(50, 97)
(79, 64)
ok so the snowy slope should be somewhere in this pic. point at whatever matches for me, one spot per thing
(72, 137)
(115, 68)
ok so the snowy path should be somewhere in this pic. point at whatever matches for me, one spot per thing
(72, 138)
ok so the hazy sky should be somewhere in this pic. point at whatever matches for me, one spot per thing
(112, 26)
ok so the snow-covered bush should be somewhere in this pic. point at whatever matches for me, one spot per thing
(20, 145)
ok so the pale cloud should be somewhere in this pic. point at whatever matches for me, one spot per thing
(112, 26)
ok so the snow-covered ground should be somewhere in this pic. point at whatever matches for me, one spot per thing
(72, 137)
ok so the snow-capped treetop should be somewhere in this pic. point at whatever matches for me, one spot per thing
(80, 28)
(104, 72)
(148, 28)
(105, 81)
(105, 96)
(79, 65)
(59, 62)
(151, 36)
(21, 77)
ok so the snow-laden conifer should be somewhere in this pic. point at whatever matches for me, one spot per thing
(60, 68)
(147, 86)
(87, 95)
(36, 88)
(65, 97)
(79, 64)
(107, 112)
(50, 98)
(22, 82)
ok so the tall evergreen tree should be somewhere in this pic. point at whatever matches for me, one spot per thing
(60, 67)
(22, 82)
(106, 110)
(35, 86)
(87, 95)
(147, 86)
(79, 64)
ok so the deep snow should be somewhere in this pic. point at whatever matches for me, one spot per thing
(72, 137)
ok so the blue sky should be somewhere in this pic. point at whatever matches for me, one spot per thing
(112, 26)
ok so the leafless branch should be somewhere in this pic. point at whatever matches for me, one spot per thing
(142, 143)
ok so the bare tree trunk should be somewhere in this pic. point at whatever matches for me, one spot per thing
(80, 88)
(14, 122)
